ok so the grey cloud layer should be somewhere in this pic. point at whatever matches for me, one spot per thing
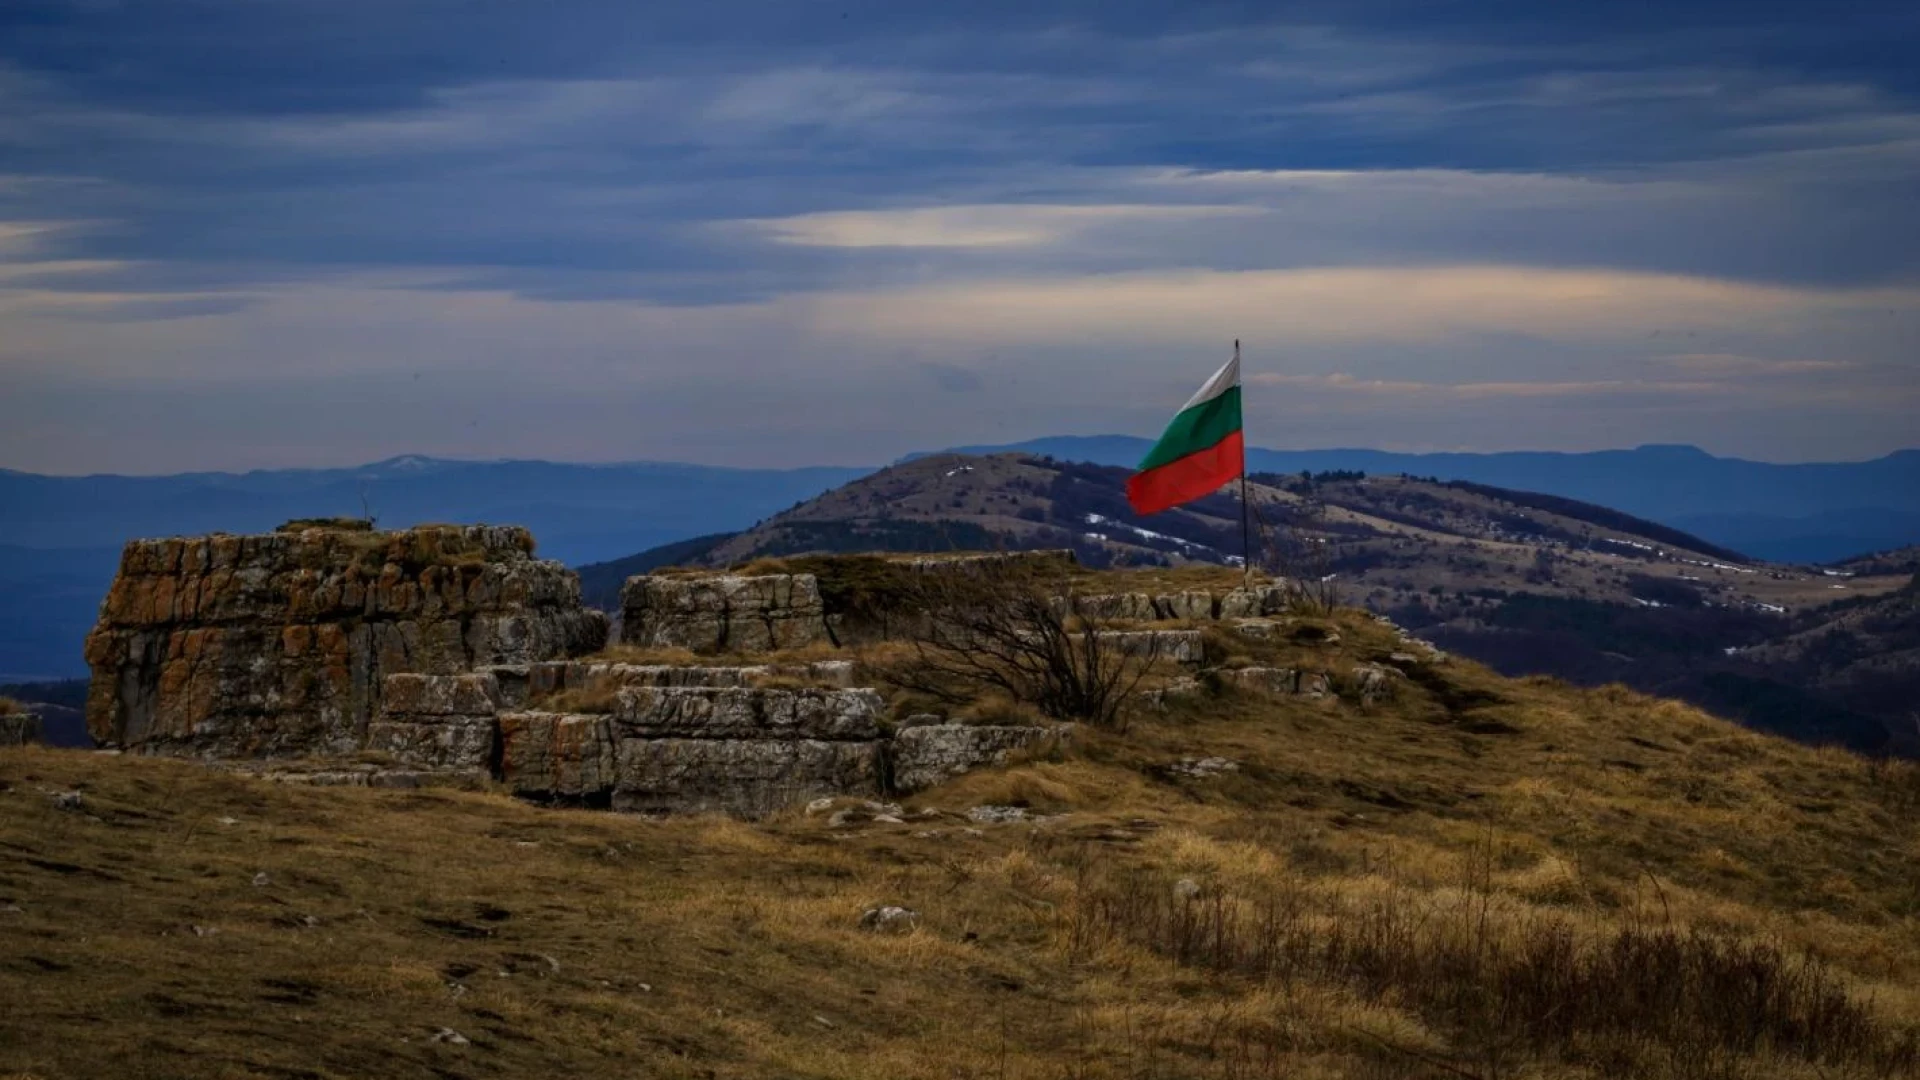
(906, 211)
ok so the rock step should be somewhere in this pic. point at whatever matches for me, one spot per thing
(575, 757)
(694, 712)
(723, 612)
(522, 684)
(928, 754)
(1179, 646)
(1192, 604)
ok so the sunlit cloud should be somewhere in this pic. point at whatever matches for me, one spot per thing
(975, 226)
(568, 236)
(1347, 304)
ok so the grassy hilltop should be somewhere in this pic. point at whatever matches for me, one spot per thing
(1472, 876)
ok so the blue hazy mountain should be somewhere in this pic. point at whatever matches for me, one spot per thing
(1814, 512)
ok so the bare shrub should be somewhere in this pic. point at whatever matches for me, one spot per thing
(993, 625)
(1297, 547)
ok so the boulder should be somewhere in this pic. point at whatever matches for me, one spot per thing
(1373, 682)
(1253, 601)
(925, 755)
(1195, 604)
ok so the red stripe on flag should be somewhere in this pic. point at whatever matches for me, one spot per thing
(1195, 476)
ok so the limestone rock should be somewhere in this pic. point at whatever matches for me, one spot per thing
(831, 672)
(412, 694)
(723, 612)
(562, 756)
(1194, 604)
(1373, 682)
(889, 919)
(1133, 607)
(748, 713)
(1270, 598)
(739, 776)
(927, 755)
(1273, 680)
(276, 645)
(443, 742)
(1203, 768)
(1184, 686)
(1178, 646)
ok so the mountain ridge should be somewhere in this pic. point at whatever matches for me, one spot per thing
(1777, 511)
(1528, 583)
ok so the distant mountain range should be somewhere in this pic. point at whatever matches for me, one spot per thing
(1818, 512)
(1525, 582)
(64, 534)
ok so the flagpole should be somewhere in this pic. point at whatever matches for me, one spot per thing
(1246, 509)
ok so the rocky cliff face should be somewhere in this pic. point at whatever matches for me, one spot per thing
(276, 645)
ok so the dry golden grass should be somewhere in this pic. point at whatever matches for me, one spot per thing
(1375, 894)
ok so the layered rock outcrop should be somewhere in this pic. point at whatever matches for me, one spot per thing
(1197, 605)
(276, 645)
(723, 612)
(450, 652)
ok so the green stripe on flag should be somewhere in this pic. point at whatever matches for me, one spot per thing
(1196, 429)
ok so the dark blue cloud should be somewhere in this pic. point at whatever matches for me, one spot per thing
(590, 135)
(187, 163)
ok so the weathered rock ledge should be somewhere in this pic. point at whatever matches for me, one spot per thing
(275, 645)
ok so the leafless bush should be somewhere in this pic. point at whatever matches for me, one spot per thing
(997, 625)
(1296, 547)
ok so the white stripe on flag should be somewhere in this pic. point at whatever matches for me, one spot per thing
(1223, 380)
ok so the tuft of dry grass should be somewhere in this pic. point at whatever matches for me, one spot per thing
(11, 707)
(580, 699)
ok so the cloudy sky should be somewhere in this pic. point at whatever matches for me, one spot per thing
(246, 233)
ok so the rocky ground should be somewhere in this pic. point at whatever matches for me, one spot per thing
(1423, 870)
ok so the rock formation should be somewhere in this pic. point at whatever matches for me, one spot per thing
(276, 645)
(330, 653)
(723, 612)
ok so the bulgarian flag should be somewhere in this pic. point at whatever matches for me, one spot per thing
(1200, 451)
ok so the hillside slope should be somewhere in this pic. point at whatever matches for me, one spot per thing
(1812, 511)
(1472, 877)
(1534, 584)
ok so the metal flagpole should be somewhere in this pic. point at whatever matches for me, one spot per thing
(1246, 507)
